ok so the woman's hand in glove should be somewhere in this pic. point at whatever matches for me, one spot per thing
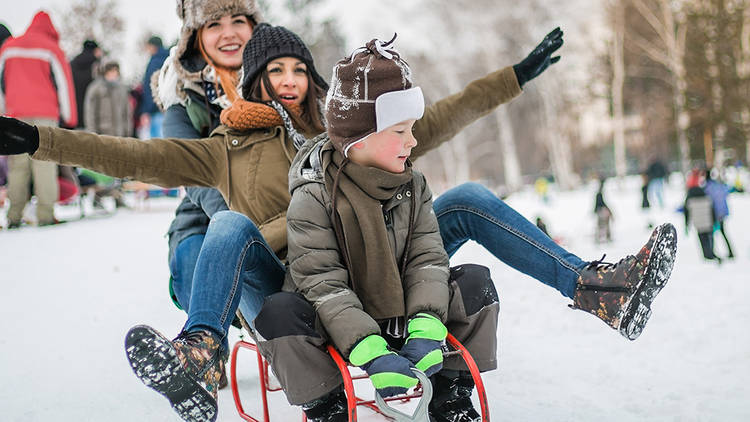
(539, 59)
(17, 137)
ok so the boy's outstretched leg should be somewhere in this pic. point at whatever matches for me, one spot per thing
(185, 370)
(621, 294)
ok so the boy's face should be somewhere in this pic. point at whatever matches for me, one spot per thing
(387, 149)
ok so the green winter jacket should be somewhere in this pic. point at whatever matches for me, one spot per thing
(317, 271)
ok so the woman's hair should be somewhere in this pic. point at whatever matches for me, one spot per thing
(228, 78)
(310, 120)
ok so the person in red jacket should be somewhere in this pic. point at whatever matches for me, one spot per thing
(36, 85)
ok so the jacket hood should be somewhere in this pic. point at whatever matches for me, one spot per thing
(42, 24)
(307, 166)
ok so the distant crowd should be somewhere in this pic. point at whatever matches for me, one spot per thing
(38, 85)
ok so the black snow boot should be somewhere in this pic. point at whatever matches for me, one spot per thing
(451, 398)
(330, 408)
(185, 370)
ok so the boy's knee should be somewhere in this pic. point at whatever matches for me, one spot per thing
(476, 286)
(286, 314)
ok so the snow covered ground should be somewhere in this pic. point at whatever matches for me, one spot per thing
(70, 292)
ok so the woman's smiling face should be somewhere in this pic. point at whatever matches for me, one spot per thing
(224, 39)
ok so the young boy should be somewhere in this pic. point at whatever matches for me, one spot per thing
(367, 267)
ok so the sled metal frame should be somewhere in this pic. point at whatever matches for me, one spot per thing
(352, 399)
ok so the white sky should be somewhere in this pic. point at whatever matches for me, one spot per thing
(139, 16)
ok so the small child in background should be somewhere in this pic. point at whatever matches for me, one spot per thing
(700, 213)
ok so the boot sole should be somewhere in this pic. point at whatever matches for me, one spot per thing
(655, 277)
(154, 361)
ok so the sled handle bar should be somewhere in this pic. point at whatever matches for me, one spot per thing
(420, 413)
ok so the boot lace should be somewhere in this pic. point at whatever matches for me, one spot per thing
(193, 338)
(600, 264)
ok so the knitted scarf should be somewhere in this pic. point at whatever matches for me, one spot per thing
(357, 194)
(245, 115)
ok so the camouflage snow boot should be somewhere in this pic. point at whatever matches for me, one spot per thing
(185, 370)
(621, 294)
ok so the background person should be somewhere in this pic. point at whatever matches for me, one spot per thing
(150, 114)
(37, 88)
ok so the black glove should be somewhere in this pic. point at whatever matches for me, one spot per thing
(17, 137)
(540, 58)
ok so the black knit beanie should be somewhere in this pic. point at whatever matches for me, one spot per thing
(271, 42)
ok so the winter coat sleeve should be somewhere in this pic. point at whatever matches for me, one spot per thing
(426, 277)
(444, 119)
(164, 162)
(319, 274)
(177, 124)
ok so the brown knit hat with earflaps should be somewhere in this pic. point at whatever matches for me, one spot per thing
(357, 81)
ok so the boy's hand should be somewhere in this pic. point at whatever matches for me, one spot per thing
(423, 346)
(539, 59)
(17, 137)
(389, 373)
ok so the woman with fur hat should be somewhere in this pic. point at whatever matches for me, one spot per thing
(197, 82)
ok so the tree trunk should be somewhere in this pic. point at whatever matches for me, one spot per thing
(618, 84)
(674, 35)
(557, 145)
(511, 165)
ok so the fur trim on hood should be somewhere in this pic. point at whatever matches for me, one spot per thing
(185, 68)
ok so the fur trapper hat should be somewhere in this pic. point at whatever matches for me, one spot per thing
(169, 83)
(195, 13)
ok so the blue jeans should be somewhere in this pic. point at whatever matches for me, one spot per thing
(182, 268)
(235, 267)
(471, 212)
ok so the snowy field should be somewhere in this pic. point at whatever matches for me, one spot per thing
(69, 293)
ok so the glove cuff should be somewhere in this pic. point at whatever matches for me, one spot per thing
(367, 349)
(427, 326)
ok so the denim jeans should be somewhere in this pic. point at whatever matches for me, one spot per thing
(182, 268)
(235, 268)
(471, 212)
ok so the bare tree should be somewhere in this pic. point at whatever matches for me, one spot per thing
(90, 19)
(667, 20)
(617, 57)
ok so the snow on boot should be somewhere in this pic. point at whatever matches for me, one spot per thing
(451, 398)
(330, 408)
(621, 294)
(186, 370)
